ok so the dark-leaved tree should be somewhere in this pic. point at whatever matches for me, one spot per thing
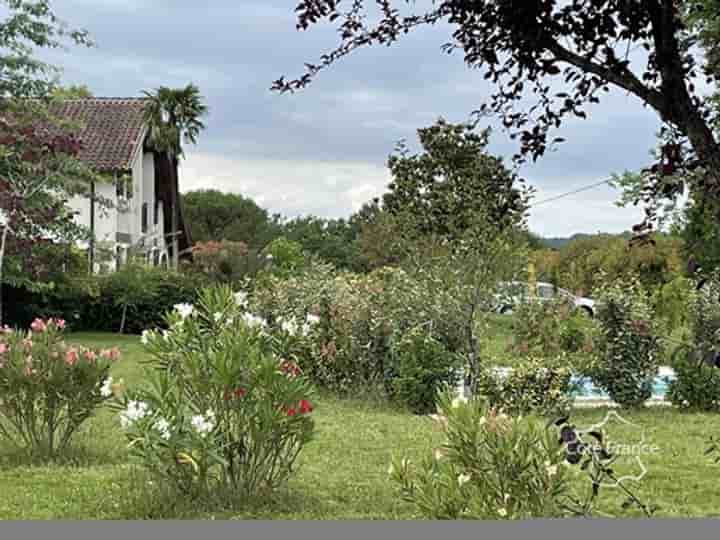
(565, 53)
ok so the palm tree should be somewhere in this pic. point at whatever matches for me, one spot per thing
(173, 116)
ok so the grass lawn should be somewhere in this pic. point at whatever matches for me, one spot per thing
(342, 473)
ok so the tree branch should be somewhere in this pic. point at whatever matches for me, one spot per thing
(623, 78)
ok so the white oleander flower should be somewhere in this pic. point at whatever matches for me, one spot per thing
(162, 426)
(145, 338)
(463, 479)
(502, 512)
(185, 310)
(203, 424)
(135, 411)
(253, 321)
(312, 319)
(106, 388)
(241, 298)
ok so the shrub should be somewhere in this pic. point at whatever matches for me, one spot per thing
(420, 366)
(491, 466)
(48, 388)
(550, 328)
(697, 382)
(537, 385)
(626, 360)
(349, 350)
(671, 302)
(221, 413)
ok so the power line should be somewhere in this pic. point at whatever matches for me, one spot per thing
(580, 190)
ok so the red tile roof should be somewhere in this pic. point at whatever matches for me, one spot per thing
(110, 129)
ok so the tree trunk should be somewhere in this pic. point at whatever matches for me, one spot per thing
(174, 210)
(3, 240)
(123, 319)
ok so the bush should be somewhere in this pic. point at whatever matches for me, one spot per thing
(538, 385)
(697, 382)
(550, 328)
(97, 303)
(491, 466)
(48, 389)
(222, 414)
(349, 350)
(626, 360)
(420, 366)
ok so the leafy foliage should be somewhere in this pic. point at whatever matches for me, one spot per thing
(697, 382)
(491, 466)
(419, 367)
(525, 48)
(627, 346)
(219, 413)
(538, 385)
(48, 389)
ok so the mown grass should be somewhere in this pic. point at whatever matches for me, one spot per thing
(342, 473)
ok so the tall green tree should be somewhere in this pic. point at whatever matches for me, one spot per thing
(443, 189)
(214, 216)
(29, 25)
(174, 116)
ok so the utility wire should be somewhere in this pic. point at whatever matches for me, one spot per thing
(580, 190)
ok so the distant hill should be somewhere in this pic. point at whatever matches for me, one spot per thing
(559, 242)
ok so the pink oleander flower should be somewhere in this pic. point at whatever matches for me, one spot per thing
(38, 325)
(89, 355)
(4, 348)
(71, 356)
(110, 354)
(59, 323)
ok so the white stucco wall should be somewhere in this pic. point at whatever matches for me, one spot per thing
(111, 221)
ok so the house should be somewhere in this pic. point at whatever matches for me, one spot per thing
(138, 218)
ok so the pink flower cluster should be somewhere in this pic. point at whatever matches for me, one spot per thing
(39, 325)
(72, 355)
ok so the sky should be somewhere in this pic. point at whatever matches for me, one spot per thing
(323, 151)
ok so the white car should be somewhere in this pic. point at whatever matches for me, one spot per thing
(514, 292)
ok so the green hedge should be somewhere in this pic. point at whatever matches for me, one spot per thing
(91, 303)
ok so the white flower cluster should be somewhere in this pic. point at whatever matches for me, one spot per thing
(162, 426)
(253, 321)
(136, 410)
(203, 424)
(241, 299)
(291, 326)
(185, 310)
(106, 388)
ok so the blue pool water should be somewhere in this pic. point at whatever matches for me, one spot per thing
(584, 389)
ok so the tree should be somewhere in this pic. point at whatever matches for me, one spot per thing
(535, 46)
(214, 216)
(39, 171)
(333, 240)
(174, 117)
(443, 189)
(30, 24)
(74, 91)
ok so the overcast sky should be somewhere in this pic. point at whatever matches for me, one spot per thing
(323, 151)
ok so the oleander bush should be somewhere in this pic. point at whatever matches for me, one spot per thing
(697, 365)
(490, 466)
(538, 385)
(49, 388)
(627, 347)
(419, 367)
(222, 414)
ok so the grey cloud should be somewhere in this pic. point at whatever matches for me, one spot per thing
(325, 148)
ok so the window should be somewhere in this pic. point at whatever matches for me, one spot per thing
(144, 217)
(546, 292)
